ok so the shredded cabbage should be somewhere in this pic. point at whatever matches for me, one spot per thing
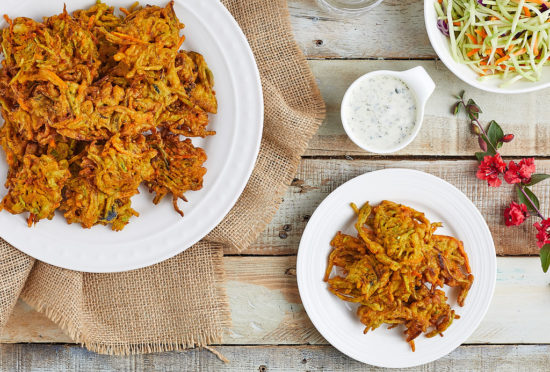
(508, 39)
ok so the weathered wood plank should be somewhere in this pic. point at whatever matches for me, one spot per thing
(266, 307)
(502, 358)
(316, 178)
(442, 134)
(395, 29)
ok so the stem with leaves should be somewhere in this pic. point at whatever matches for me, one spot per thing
(521, 175)
(534, 207)
(490, 140)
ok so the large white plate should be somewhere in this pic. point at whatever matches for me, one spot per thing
(159, 232)
(336, 319)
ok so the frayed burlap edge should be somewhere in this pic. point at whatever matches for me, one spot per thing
(318, 114)
(178, 344)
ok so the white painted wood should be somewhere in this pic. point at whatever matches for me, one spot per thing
(264, 299)
(395, 29)
(442, 134)
(46, 358)
(266, 307)
(518, 312)
(316, 178)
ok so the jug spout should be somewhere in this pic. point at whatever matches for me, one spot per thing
(419, 81)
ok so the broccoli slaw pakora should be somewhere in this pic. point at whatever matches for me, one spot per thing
(395, 270)
(96, 103)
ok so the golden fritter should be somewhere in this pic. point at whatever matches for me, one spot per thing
(177, 168)
(96, 103)
(394, 269)
(36, 187)
(45, 71)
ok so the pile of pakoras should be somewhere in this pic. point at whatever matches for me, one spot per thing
(395, 269)
(94, 105)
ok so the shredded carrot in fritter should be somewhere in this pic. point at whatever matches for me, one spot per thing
(393, 269)
(94, 104)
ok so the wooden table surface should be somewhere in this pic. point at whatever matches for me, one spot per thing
(271, 330)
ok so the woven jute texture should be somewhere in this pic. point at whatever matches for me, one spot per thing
(181, 302)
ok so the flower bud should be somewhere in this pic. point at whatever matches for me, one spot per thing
(507, 138)
(475, 129)
(456, 108)
(482, 143)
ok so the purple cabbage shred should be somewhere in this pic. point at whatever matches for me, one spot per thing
(443, 26)
(518, 34)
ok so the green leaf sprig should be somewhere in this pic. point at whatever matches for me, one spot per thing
(522, 175)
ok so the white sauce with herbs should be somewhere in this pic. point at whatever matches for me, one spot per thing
(380, 112)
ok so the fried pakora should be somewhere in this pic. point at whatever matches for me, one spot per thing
(177, 168)
(96, 103)
(396, 268)
(36, 187)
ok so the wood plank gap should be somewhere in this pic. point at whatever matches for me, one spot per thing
(505, 358)
(465, 345)
(332, 58)
(259, 255)
(295, 254)
(375, 157)
(305, 345)
(269, 345)
(442, 133)
(413, 157)
(266, 307)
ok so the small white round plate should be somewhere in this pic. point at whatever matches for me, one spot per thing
(159, 232)
(336, 319)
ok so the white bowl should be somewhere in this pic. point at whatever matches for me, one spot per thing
(418, 81)
(441, 45)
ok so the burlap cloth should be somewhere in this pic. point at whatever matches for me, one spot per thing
(181, 303)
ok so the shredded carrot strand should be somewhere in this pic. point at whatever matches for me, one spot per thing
(519, 52)
(10, 22)
(539, 2)
(471, 37)
(128, 37)
(91, 21)
(503, 59)
(481, 33)
(182, 39)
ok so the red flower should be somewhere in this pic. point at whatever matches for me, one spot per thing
(521, 172)
(490, 168)
(543, 235)
(515, 214)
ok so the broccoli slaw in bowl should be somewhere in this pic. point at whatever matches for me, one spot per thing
(500, 46)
